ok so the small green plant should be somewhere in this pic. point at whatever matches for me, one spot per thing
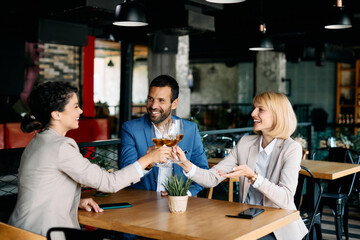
(176, 186)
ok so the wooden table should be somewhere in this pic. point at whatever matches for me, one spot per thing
(329, 170)
(8, 232)
(320, 169)
(204, 219)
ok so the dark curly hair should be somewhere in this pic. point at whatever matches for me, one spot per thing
(44, 99)
(167, 81)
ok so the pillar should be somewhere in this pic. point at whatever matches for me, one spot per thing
(270, 72)
(175, 64)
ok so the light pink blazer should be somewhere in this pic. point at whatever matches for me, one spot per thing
(50, 174)
(280, 182)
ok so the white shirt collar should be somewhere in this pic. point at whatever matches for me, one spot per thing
(157, 131)
(269, 148)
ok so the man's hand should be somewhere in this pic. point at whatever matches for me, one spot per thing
(88, 204)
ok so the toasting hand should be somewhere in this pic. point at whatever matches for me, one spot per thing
(180, 158)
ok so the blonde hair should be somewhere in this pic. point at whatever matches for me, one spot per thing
(284, 118)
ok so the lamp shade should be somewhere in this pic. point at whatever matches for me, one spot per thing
(339, 20)
(225, 1)
(264, 42)
(130, 14)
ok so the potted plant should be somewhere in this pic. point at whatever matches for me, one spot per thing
(177, 189)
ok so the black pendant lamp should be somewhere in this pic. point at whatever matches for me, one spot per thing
(264, 42)
(130, 14)
(339, 18)
(225, 1)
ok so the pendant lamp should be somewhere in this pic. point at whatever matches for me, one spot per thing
(264, 42)
(225, 1)
(130, 14)
(339, 19)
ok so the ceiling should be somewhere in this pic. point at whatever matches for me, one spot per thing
(296, 27)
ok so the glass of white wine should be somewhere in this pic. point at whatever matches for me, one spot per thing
(157, 137)
(173, 133)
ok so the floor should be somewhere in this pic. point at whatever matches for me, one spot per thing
(328, 225)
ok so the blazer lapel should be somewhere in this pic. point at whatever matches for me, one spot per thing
(251, 162)
(147, 131)
(274, 157)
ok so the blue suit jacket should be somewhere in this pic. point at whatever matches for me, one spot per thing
(136, 139)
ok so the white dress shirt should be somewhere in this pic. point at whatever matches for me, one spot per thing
(262, 163)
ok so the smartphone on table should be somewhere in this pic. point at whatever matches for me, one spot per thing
(115, 205)
(249, 213)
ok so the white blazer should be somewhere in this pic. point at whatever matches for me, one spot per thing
(280, 182)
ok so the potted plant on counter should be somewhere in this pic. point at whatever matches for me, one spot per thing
(177, 189)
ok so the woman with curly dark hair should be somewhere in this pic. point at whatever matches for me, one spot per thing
(52, 169)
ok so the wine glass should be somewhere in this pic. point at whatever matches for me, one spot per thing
(179, 125)
(158, 140)
(156, 136)
(173, 133)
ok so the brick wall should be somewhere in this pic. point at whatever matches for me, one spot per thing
(59, 63)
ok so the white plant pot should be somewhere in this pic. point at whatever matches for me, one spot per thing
(177, 204)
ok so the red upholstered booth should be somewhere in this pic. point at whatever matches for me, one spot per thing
(2, 136)
(14, 137)
(90, 130)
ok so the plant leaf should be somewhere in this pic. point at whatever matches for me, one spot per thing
(177, 186)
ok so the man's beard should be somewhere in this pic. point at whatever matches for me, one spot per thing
(163, 115)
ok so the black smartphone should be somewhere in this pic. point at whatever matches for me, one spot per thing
(101, 194)
(115, 205)
(249, 213)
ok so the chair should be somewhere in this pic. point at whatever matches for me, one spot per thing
(339, 190)
(307, 200)
(305, 153)
(230, 189)
(73, 234)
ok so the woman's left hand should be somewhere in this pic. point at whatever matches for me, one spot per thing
(242, 170)
(88, 204)
(180, 158)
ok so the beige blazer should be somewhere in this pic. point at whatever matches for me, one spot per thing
(280, 182)
(50, 174)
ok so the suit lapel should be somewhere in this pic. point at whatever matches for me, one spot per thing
(274, 157)
(147, 131)
(251, 162)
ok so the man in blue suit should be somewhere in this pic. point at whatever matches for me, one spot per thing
(136, 140)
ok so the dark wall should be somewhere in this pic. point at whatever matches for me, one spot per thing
(12, 64)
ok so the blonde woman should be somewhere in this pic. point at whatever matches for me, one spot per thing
(268, 163)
